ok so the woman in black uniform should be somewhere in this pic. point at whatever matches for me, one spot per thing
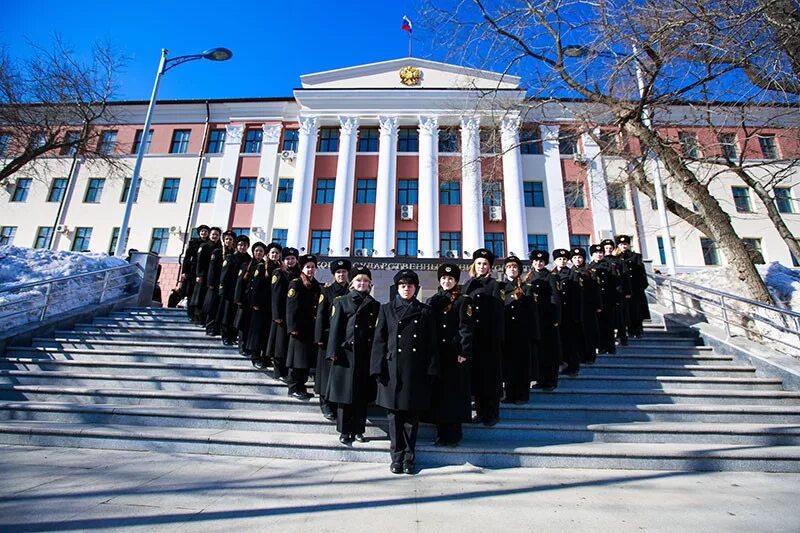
(258, 300)
(211, 303)
(521, 333)
(231, 266)
(201, 267)
(278, 335)
(301, 314)
(542, 286)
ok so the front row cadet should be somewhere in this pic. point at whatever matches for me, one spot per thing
(521, 333)
(301, 312)
(609, 287)
(591, 306)
(542, 286)
(570, 293)
(258, 299)
(278, 346)
(633, 268)
(231, 266)
(352, 327)
(404, 363)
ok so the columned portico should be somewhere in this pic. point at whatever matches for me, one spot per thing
(601, 215)
(264, 201)
(516, 223)
(555, 187)
(384, 237)
(342, 219)
(471, 195)
(428, 187)
(223, 196)
(297, 236)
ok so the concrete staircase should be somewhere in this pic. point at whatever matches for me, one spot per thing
(146, 379)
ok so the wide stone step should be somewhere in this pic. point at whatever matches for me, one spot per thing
(225, 369)
(664, 359)
(125, 353)
(193, 335)
(646, 342)
(616, 382)
(663, 348)
(667, 370)
(677, 396)
(653, 456)
(151, 320)
(208, 344)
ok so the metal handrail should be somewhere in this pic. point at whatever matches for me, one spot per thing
(68, 278)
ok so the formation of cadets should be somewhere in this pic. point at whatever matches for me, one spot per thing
(483, 340)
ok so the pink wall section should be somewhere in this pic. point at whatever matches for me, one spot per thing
(325, 168)
(579, 221)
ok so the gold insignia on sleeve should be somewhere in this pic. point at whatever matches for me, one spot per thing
(333, 310)
(321, 298)
(580, 282)
(469, 310)
(291, 293)
(256, 273)
(275, 278)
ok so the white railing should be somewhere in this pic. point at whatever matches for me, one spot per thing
(738, 316)
(34, 302)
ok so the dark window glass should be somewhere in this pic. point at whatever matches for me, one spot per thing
(573, 194)
(689, 147)
(290, 139)
(159, 241)
(21, 190)
(662, 253)
(325, 190)
(169, 191)
(529, 142)
(567, 142)
(252, 140)
(407, 244)
(407, 140)
(208, 189)
(490, 143)
(246, 192)
(81, 240)
(363, 240)
(108, 142)
(616, 196)
(365, 191)
(7, 235)
(534, 193)
(180, 142)
(5, 143)
(38, 141)
(494, 243)
(94, 191)
(368, 140)
(241, 231)
(741, 198)
(448, 141)
(328, 140)
(608, 142)
(279, 236)
(285, 186)
(492, 194)
(450, 193)
(216, 141)
(537, 241)
(127, 188)
(727, 143)
(580, 241)
(71, 139)
(112, 247)
(710, 254)
(450, 243)
(754, 249)
(407, 192)
(137, 141)
(43, 237)
(320, 241)
(783, 200)
(769, 150)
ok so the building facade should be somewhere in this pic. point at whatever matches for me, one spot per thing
(400, 158)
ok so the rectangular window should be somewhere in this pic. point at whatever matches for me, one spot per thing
(169, 191)
(688, 141)
(208, 188)
(94, 191)
(216, 141)
(448, 141)
(450, 243)
(21, 190)
(180, 142)
(71, 141)
(450, 193)
(246, 192)
(328, 140)
(741, 198)
(534, 193)
(538, 241)
(727, 143)
(83, 237)
(137, 141)
(363, 240)
(320, 241)
(494, 243)
(754, 249)
(407, 192)
(252, 140)
(407, 244)
(112, 247)
(7, 235)
(529, 142)
(365, 191)
(710, 254)
(492, 194)
(662, 254)
(108, 142)
(285, 186)
(490, 143)
(607, 140)
(407, 140)
(325, 190)
(769, 150)
(279, 236)
(573, 194)
(567, 142)
(290, 139)
(127, 188)
(43, 237)
(159, 241)
(368, 140)
(580, 241)
(241, 231)
(783, 199)
(5, 144)
(38, 141)
(616, 196)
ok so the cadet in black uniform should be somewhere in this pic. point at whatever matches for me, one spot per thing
(352, 329)
(258, 301)
(521, 333)
(450, 400)
(404, 362)
(301, 314)
(211, 303)
(242, 320)
(487, 341)
(189, 268)
(278, 335)
(201, 267)
(621, 316)
(231, 267)
(609, 295)
(340, 268)
(633, 268)
(541, 284)
(591, 306)
(571, 310)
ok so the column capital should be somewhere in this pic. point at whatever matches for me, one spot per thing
(388, 125)
(471, 124)
(272, 133)
(348, 125)
(510, 125)
(550, 132)
(429, 124)
(234, 134)
(308, 125)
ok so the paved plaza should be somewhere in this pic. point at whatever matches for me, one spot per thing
(64, 489)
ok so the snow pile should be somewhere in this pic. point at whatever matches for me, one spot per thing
(784, 284)
(19, 266)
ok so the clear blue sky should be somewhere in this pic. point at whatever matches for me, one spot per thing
(273, 42)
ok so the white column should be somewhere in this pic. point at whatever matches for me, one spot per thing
(428, 187)
(384, 237)
(342, 219)
(223, 196)
(264, 201)
(471, 193)
(555, 188)
(601, 214)
(297, 236)
(516, 222)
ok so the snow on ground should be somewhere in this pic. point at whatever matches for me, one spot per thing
(26, 265)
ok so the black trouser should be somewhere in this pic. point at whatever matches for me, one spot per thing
(622, 320)
(518, 390)
(605, 326)
(327, 408)
(403, 427)
(487, 408)
(449, 433)
(351, 419)
(279, 369)
(188, 286)
(297, 379)
(570, 346)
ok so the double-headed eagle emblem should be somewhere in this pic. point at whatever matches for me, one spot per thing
(410, 75)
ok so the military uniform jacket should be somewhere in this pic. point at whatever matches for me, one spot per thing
(301, 315)
(204, 258)
(279, 288)
(229, 275)
(590, 288)
(327, 295)
(258, 286)
(242, 282)
(569, 290)
(520, 313)
(624, 280)
(542, 286)
(633, 268)
(405, 355)
(352, 329)
(190, 258)
(607, 283)
(214, 272)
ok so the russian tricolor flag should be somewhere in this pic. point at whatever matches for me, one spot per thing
(406, 26)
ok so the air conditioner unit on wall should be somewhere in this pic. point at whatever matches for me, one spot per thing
(362, 252)
(579, 158)
(174, 229)
(406, 212)
(288, 155)
(495, 213)
(452, 253)
(62, 228)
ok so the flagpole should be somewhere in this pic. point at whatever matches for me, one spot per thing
(409, 44)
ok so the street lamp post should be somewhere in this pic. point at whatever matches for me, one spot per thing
(214, 54)
(661, 206)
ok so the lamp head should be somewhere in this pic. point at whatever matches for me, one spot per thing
(217, 54)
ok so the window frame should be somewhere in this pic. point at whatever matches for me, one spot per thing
(364, 240)
(328, 142)
(690, 149)
(206, 193)
(320, 242)
(253, 138)
(250, 190)
(533, 190)
(279, 236)
(579, 195)
(617, 196)
(172, 190)
(783, 203)
(448, 190)
(180, 144)
(535, 237)
(137, 139)
(365, 191)
(408, 191)
(490, 241)
(46, 236)
(407, 140)
(22, 188)
(772, 149)
(285, 188)
(710, 252)
(446, 240)
(327, 188)
(7, 235)
(162, 239)
(217, 143)
(367, 141)
(85, 235)
(108, 142)
(406, 237)
(745, 197)
(98, 190)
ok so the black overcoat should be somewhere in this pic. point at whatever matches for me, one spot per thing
(321, 331)
(487, 340)
(405, 355)
(229, 275)
(301, 315)
(352, 330)
(278, 346)
(521, 322)
(258, 301)
(213, 276)
(189, 268)
(547, 355)
(242, 320)
(591, 303)
(633, 265)
(201, 269)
